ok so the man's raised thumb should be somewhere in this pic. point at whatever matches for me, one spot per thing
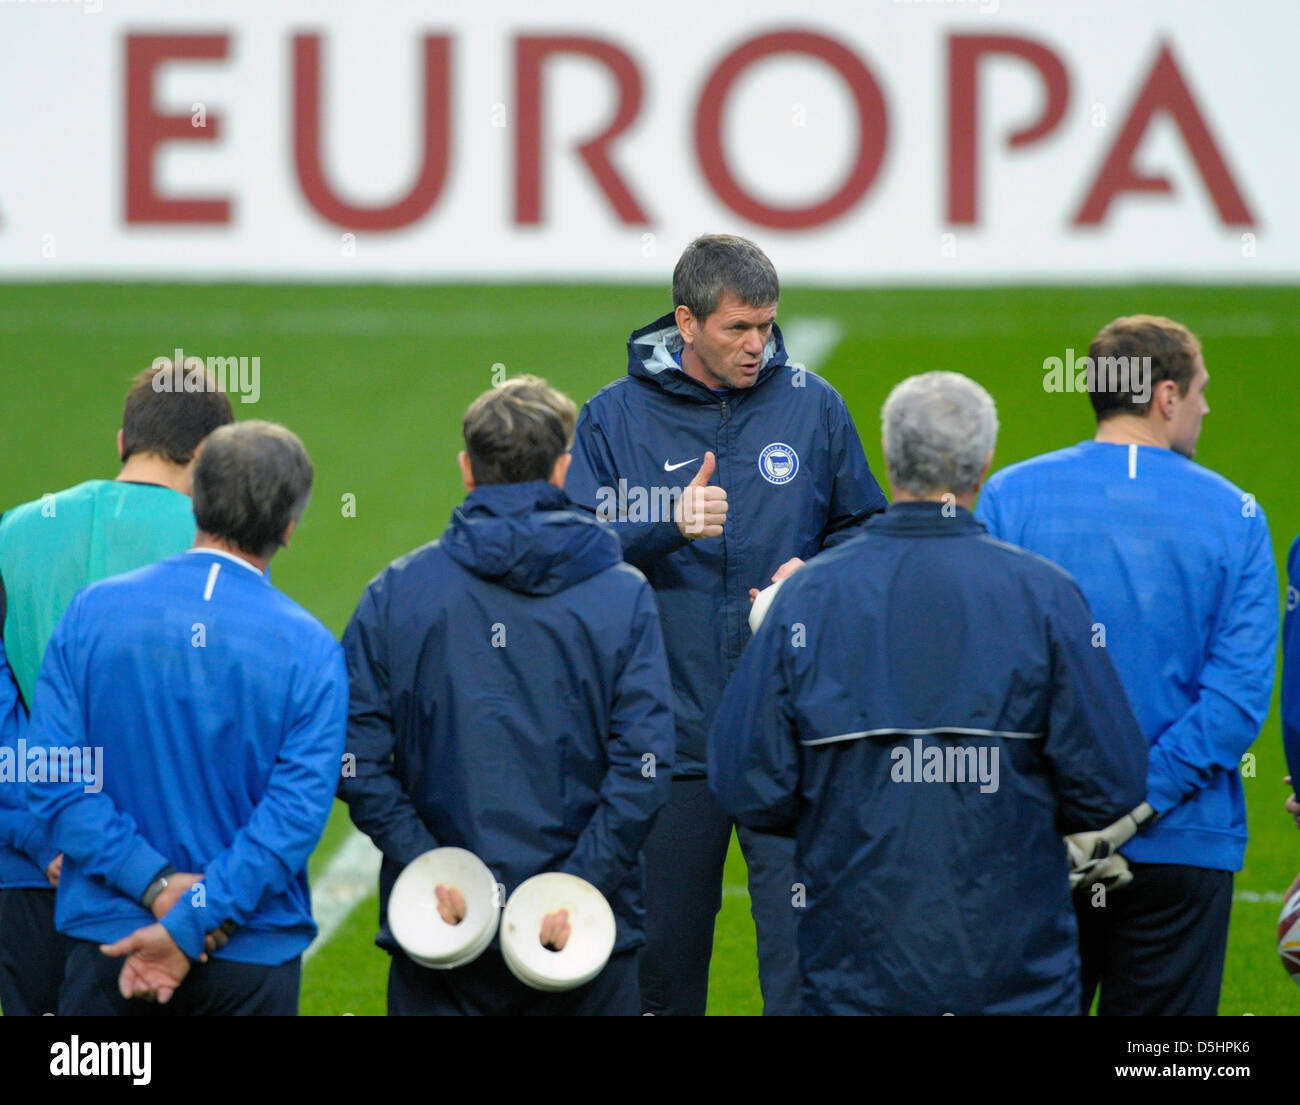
(705, 473)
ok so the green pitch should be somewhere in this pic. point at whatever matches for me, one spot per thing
(375, 380)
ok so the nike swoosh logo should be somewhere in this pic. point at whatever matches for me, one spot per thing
(673, 467)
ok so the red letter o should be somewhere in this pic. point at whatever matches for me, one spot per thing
(871, 137)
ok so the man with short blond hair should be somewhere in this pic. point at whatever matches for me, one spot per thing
(510, 696)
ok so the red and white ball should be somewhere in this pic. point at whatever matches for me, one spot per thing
(1288, 936)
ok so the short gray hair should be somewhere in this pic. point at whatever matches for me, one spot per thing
(939, 428)
(717, 263)
(251, 480)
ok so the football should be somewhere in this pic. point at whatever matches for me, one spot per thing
(1288, 936)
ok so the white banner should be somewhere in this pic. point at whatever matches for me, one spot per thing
(858, 142)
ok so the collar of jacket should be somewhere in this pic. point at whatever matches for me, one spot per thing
(926, 519)
(650, 357)
(496, 499)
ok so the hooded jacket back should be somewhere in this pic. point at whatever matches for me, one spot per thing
(509, 695)
(797, 482)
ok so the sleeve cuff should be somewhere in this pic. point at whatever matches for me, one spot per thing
(414, 849)
(187, 924)
(139, 869)
(1161, 795)
(607, 886)
(39, 848)
(645, 542)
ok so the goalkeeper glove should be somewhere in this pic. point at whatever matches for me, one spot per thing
(1094, 856)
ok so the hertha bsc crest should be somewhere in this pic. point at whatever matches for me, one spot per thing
(778, 463)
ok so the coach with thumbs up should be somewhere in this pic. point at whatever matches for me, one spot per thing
(763, 468)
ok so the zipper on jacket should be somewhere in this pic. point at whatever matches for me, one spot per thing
(724, 410)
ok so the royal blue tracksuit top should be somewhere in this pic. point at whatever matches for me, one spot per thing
(220, 706)
(1177, 565)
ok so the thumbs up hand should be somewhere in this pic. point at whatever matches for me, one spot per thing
(702, 509)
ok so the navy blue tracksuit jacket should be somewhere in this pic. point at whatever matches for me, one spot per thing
(797, 482)
(925, 708)
(509, 695)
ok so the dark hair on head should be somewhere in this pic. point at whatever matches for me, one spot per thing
(251, 481)
(170, 410)
(515, 432)
(718, 263)
(1173, 350)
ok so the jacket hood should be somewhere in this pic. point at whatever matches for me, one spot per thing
(650, 357)
(529, 538)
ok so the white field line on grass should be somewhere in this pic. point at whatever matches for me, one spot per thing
(352, 873)
(1257, 897)
(809, 340)
(350, 877)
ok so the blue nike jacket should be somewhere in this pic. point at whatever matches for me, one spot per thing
(217, 708)
(1177, 565)
(510, 696)
(797, 482)
(924, 708)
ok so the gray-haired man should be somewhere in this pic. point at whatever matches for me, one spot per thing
(721, 466)
(924, 709)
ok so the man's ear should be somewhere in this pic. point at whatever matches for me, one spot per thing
(561, 470)
(466, 470)
(984, 471)
(1166, 393)
(685, 323)
(288, 532)
(120, 446)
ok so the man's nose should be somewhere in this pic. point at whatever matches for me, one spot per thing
(754, 342)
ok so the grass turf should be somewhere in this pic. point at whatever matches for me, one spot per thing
(375, 379)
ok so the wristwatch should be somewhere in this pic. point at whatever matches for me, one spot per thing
(156, 887)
